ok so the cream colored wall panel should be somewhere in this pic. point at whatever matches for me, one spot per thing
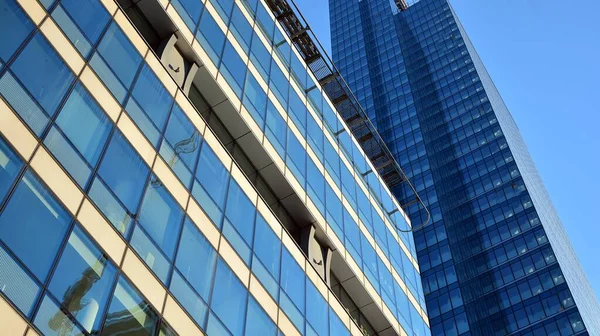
(131, 33)
(110, 6)
(293, 249)
(163, 3)
(161, 73)
(100, 93)
(229, 93)
(269, 217)
(190, 111)
(136, 138)
(238, 48)
(234, 261)
(337, 243)
(169, 179)
(286, 326)
(62, 45)
(391, 318)
(317, 281)
(183, 28)
(263, 298)
(66, 190)
(242, 181)
(355, 268)
(213, 12)
(278, 107)
(383, 257)
(373, 293)
(16, 132)
(11, 323)
(179, 320)
(102, 231)
(143, 279)
(33, 8)
(340, 311)
(204, 58)
(203, 223)
(254, 128)
(216, 146)
(258, 77)
(32, 332)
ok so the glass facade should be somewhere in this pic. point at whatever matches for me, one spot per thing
(121, 212)
(494, 259)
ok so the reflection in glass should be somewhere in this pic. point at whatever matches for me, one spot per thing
(83, 280)
(128, 311)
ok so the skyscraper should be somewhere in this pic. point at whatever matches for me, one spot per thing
(495, 259)
(175, 167)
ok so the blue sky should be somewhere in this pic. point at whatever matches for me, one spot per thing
(544, 57)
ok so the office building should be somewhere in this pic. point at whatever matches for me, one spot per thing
(495, 259)
(175, 167)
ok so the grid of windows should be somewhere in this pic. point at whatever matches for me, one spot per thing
(416, 74)
(102, 161)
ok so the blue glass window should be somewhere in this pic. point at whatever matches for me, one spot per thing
(151, 253)
(336, 326)
(190, 11)
(293, 280)
(51, 320)
(265, 21)
(211, 37)
(10, 164)
(150, 105)
(316, 312)
(223, 7)
(16, 284)
(239, 222)
(279, 84)
(83, 280)
(44, 75)
(116, 62)
(260, 57)
(241, 29)
(298, 111)
(188, 298)
(210, 187)
(128, 305)
(315, 136)
(33, 225)
(14, 28)
(161, 216)
(82, 21)
(193, 247)
(267, 249)
(124, 172)
(81, 124)
(255, 99)
(296, 158)
(233, 69)
(258, 322)
(276, 129)
(229, 299)
(181, 145)
(315, 185)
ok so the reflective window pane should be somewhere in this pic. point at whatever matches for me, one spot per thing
(83, 280)
(229, 299)
(129, 311)
(33, 225)
(10, 164)
(14, 28)
(124, 172)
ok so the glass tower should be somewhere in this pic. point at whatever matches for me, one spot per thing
(174, 167)
(494, 258)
